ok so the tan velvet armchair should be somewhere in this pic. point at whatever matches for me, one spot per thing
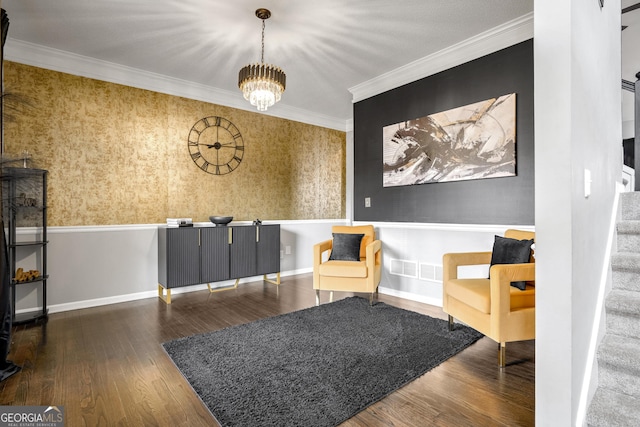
(492, 306)
(348, 276)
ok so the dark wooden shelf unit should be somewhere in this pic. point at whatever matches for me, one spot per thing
(24, 204)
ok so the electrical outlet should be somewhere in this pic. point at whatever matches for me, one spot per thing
(367, 202)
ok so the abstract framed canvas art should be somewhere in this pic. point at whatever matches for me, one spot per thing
(475, 141)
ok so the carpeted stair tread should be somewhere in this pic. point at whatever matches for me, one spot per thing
(629, 236)
(625, 268)
(613, 409)
(626, 261)
(620, 352)
(625, 302)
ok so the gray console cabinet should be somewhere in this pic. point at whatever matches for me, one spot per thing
(194, 255)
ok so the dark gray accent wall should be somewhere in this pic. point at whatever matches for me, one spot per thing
(508, 200)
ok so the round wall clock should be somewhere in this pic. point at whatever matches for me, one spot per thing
(216, 145)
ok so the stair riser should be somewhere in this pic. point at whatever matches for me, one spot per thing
(626, 326)
(620, 359)
(628, 280)
(620, 381)
(629, 243)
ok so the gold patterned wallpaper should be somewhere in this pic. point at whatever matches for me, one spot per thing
(118, 155)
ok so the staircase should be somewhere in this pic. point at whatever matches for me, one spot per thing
(617, 399)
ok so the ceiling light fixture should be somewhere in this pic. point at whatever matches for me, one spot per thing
(262, 84)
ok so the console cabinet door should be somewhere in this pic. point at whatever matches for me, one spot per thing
(243, 252)
(214, 252)
(179, 257)
(268, 249)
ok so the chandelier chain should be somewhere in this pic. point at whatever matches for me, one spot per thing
(262, 55)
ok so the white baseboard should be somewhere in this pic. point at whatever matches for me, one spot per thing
(410, 296)
(97, 302)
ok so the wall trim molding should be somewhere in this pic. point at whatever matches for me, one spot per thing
(505, 35)
(66, 62)
(467, 228)
(500, 37)
(134, 227)
(411, 296)
(475, 228)
(98, 302)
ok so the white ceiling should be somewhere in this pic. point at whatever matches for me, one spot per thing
(325, 47)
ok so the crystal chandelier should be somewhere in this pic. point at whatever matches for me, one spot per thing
(262, 84)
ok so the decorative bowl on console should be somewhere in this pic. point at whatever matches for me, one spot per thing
(220, 220)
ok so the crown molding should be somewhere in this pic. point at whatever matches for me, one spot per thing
(84, 66)
(505, 35)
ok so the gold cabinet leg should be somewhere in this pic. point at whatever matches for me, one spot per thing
(502, 354)
(167, 298)
(275, 281)
(317, 297)
(330, 296)
(226, 288)
(450, 322)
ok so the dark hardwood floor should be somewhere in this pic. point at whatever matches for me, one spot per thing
(106, 366)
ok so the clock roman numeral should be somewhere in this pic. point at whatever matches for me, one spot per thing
(195, 156)
(194, 136)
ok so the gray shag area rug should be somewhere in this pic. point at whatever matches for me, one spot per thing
(314, 367)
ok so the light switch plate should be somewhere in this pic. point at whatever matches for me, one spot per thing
(587, 183)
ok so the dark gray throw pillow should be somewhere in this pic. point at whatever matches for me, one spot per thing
(346, 247)
(511, 251)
